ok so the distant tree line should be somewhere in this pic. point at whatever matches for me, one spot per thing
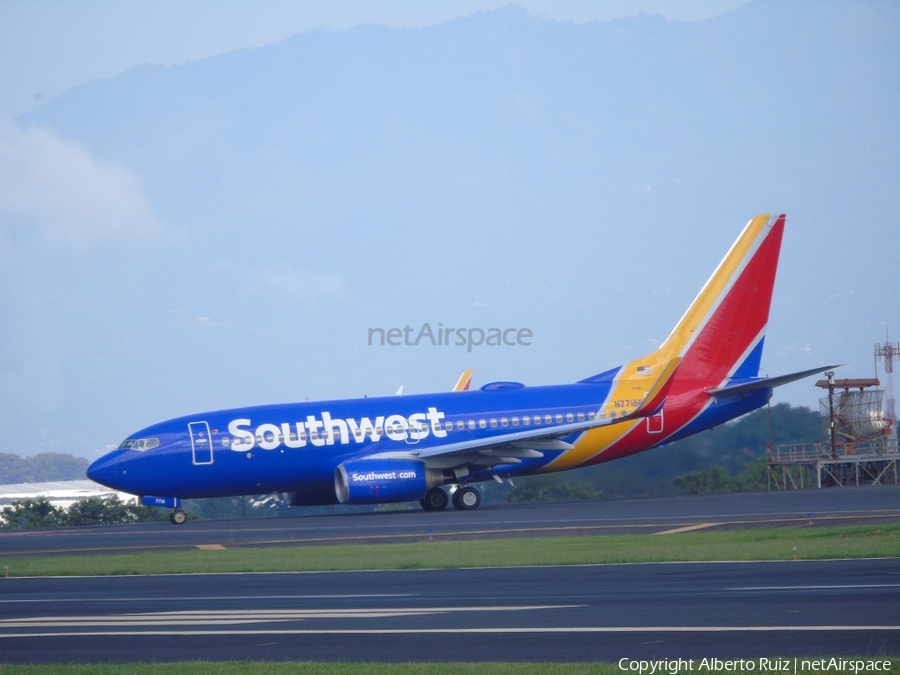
(39, 513)
(47, 466)
(729, 458)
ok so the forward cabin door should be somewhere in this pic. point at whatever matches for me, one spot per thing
(201, 443)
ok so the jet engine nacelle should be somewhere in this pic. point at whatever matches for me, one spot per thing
(376, 481)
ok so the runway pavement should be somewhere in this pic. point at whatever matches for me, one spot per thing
(833, 506)
(585, 613)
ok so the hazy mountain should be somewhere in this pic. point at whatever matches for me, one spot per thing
(48, 466)
(225, 232)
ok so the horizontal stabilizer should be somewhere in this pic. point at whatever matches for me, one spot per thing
(735, 390)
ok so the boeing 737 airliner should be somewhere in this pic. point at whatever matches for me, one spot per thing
(407, 448)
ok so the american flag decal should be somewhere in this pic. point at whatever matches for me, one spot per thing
(645, 370)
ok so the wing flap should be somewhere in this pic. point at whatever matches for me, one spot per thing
(546, 438)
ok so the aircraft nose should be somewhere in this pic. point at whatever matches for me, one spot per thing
(105, 470)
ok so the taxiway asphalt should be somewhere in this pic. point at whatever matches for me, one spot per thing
(747, 610)
(825, 507)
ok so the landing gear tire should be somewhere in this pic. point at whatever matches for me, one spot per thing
(434, 500)
(178, 516)
(466, 499)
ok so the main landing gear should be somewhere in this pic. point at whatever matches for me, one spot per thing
(434, 500)
(465, 498)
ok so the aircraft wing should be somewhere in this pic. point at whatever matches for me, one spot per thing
(735, 390)
(529, 442)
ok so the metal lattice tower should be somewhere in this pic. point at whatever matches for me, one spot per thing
(888, 351)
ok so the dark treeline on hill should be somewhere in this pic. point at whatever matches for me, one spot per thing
(728, 458)
(47, 466)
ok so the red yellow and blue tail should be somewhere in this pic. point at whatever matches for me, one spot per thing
(719, 342)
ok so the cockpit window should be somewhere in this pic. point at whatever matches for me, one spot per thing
(139, 444)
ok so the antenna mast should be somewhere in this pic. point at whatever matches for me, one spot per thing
(888, 351)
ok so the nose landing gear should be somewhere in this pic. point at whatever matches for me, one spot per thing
(177, 517)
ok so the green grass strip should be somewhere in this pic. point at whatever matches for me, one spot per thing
(884, 665)
(874, 541)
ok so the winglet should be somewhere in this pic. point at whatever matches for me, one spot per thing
(464, 381)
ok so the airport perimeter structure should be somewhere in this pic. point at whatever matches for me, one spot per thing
(862, 446)
(798, 466)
